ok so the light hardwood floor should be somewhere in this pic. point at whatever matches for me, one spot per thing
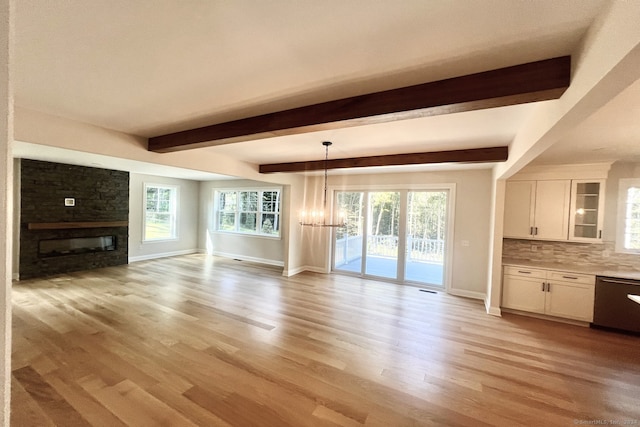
(199, 340)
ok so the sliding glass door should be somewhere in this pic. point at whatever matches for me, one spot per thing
(397, 235)
(426, 231)
(348, 241)
(381, 249)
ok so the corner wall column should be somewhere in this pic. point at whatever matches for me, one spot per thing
(6, 202)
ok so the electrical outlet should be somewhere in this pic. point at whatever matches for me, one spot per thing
(534, 248)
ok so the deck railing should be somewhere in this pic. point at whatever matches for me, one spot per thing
(349, 248)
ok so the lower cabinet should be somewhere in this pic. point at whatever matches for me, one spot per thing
(550, 292)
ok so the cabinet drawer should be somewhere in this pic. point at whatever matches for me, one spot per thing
(585, 279)
(524, 272)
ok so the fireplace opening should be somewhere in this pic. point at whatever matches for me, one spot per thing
(78, 245)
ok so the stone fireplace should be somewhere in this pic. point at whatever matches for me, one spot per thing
(71, 218)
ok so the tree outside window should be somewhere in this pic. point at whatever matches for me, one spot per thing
(248, 211)
(628, 230)
(160, 212)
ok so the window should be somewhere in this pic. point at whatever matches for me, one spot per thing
(628, 236)
(248, 211)
(160, 203)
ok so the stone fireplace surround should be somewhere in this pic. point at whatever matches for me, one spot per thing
(100, 208)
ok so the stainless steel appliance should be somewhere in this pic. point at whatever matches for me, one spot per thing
(613, 308)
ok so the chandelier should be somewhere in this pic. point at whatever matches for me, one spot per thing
(317, 218)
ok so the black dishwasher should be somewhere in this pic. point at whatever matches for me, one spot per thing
(613, 308)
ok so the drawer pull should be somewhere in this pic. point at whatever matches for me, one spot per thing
(569, 277)
(524, 272)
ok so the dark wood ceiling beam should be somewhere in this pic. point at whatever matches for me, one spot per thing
(476, 155)
(534, 81)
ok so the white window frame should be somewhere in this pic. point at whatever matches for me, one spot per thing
(259, 213)
(624, 184)
(174, 208)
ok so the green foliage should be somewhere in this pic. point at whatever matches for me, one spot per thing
(427, 213)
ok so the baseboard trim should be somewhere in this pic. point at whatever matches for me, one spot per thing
(493, 311)
(162, 255)
(293, 272)
(466, 294)
(249, 258)
(582, 323)
(315, 269)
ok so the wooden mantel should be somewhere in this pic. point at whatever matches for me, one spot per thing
(70, 225)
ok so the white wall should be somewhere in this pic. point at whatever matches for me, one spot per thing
(471, 221)
(187, 242)
(268, 250)
(7, 8)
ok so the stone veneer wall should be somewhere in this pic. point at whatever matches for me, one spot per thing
(588, 254)
(100, 195)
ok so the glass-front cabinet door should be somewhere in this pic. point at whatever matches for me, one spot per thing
(587, 210)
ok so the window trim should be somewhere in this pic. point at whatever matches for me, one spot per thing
(623, 186)
(260, 190)
(175, 207)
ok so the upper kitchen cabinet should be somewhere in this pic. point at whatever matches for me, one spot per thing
(556, 202)
(587, 210)
(537, 209)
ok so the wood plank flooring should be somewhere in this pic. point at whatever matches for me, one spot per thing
(206, 341)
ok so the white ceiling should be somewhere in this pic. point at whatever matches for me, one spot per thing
(149, 67)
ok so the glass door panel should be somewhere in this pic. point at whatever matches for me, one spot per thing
(587, 195)
(348, 240)
(426, 231)
(383, 220)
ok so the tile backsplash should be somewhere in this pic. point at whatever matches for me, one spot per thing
(590, 254)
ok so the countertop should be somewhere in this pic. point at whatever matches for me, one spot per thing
(573, 268)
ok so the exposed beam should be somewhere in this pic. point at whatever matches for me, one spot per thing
(534, 81)
(476, 155)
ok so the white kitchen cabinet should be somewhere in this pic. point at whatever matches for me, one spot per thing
(537, 209)
(587, 210)
(554, 293)
(522, 289)
(519, 207)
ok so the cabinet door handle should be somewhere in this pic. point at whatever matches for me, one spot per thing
(548, 287)
(543, 284)
(599, 234)
(570, 277)
(531, 231)
(535, 229)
